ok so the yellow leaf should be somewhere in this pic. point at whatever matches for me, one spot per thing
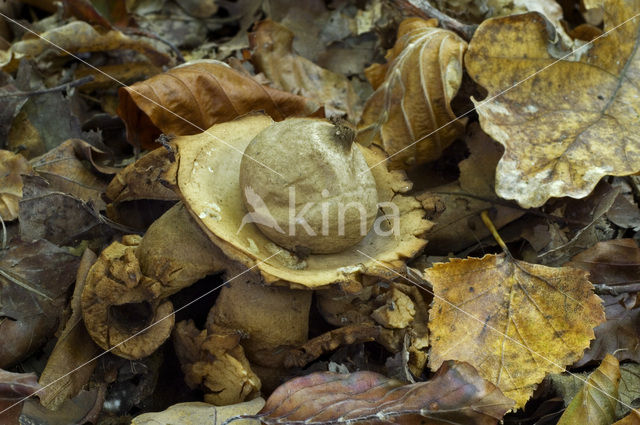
(413, 92)
(566, 124)
(513, 321)
(595, 404)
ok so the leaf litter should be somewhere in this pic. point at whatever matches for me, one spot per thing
(435, 327)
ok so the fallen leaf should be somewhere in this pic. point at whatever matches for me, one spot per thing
(272, 54)
(629, 389)
(455, 207)
(66, 372)
(81, 409)
(11, 167)
(76, 37)
(514, 321)
(65, 169)
(596, 403)
(614, 265)
(13, 388)
(197, 413)
(408, 112)
(456, 394)
(191, 98)
(34, 279)
(561, 135)
(60, 218)
(631, 419)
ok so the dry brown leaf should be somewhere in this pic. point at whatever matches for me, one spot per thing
(197, 413)
(273, 55)
(65, 169)
(413, 94)
(512, 320)
(456, 394)
(561, 134)
(614, 265)
(34, 279)
(596, 403)
(191, 98)
(14, 387)
(66, 371)
(76, 37)
(11, 167)
(631, 419)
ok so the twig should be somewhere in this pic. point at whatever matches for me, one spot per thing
(487, 222)
(61, 87)
(604, 289)
(424, 9)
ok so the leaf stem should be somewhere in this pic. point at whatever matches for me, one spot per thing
(489, 224)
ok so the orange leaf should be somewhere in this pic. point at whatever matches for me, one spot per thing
(514, 321)
(190, 99)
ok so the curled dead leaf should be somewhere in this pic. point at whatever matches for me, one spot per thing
(76, 37)
(273, 55)
(596, 402)
(456, 394)
(411, 105)
(561, 135)
(191, 98)
(11, 167)
(513, 320)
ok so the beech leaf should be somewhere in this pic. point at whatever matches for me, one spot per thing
(191, 98)
(413, 92)
(456, 394)
(561, 134)
(595, 403)
(513, 321)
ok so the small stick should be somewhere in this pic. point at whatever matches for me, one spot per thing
(424, 9)
(61, 87)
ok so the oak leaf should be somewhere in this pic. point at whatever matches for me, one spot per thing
(595, 403)
(565, 121)
(514, 321)
(408, 112)
(456, 394)
(191, 98)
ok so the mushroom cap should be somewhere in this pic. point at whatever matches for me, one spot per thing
(323, 176)
(208, 180)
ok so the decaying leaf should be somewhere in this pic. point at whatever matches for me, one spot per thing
(413, 94)
(614, 265)
(13, 388)
(76, 37)
(196, 413)
(61, 377)
(191, 98)
(455, 207)
(65, 169)
(561, 135)
(512, 320)
(11, 167)
(34, 279)
(456, 394)
(59, 217)
(596, 403)
(273, 55)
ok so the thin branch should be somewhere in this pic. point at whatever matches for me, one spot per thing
(424, 9)
(61, 87)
